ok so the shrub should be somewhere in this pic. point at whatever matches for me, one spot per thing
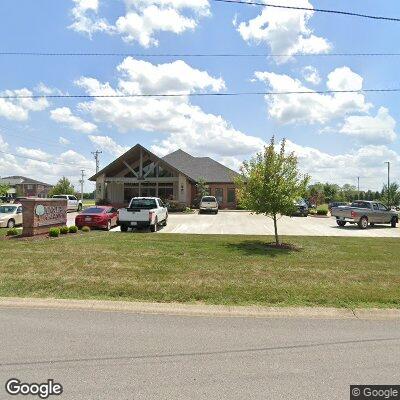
(54, 232)
(85, 229)
(312, 211)
(64, 230)
(73, 229)
(12, 232)
(175, 206)
(322, 210)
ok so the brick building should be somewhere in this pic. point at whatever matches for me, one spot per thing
(21, 186)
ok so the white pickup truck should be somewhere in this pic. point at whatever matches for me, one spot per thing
(143, 212)
(73, 204)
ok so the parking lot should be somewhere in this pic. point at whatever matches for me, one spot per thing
(244, 223)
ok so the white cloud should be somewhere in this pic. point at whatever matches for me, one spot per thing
(142, 20)
(3, 144)
(63, 140)
(311, 75)
(285, 31)
(19, 109)
(86, 19)
(371, 129)
(366, 162)
(314, 108)
(51, 169)
(33, 153)
(64, 116)
(187, 126)
(108, 145)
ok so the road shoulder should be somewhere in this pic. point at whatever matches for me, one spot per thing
(201, 309)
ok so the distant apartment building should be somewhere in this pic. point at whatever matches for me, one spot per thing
(20, 186)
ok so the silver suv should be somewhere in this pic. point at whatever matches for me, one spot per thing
(208, 204)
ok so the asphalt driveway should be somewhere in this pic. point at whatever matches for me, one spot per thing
(244, 223)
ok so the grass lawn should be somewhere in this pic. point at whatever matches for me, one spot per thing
(213, 269)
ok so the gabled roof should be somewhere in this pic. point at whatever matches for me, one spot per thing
(130, 156)
(193, 167)
(19, 180)
(200, 167)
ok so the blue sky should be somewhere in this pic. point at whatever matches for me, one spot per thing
(336, 138)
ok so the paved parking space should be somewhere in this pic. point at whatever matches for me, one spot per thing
(244, 223)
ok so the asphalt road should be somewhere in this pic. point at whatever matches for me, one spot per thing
(112, 355)
(244, 223)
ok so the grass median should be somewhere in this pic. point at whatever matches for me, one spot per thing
(212, 269)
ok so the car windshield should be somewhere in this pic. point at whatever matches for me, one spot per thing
(59, 197)
(7, 209)
(94, 210)
(209, 199)
(143, 204)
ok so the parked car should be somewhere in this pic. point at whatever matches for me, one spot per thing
(104, 217)
(336, 204)
(73, 204)
(143, 212)
(10, 215)
(363, 212)
(301, 208)
(208, 204)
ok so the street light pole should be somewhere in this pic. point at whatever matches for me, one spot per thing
(82, 181)
(388, 181)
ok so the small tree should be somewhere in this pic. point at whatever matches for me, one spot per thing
(202, 189)
(63, 186)
(270, 183)
(4, 189)
(392, 197)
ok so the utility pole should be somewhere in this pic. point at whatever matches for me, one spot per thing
(82, 181)
(388, 181)
(97, 158)
(358, 186)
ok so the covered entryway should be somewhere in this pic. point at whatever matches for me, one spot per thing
(140, 173)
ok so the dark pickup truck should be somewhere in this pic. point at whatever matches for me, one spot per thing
(363, 212)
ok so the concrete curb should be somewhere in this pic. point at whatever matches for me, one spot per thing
(201, 310)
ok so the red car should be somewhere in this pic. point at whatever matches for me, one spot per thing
(104, 217)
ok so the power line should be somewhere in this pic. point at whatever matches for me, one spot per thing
(226, 94)
(176, 55)
(340, 12)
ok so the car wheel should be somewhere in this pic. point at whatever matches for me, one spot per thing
(393, 223)
(363, 223)
(372, 224)
(11, 224)
(80, 207)
(341, 223)
(124, 228)
(154, 227)
(165, 221)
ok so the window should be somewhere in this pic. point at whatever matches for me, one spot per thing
(95, 210)
(382, 207)
(209, 199)
(219, 194)
(19, 210)
(231, 195)
(29, 187)
(375, 206)
(143, 204)
(72, 198)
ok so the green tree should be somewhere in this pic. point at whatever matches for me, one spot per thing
(202, 189)
(270, 183)
(63, 186)
(393, 197)
(4, 189)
